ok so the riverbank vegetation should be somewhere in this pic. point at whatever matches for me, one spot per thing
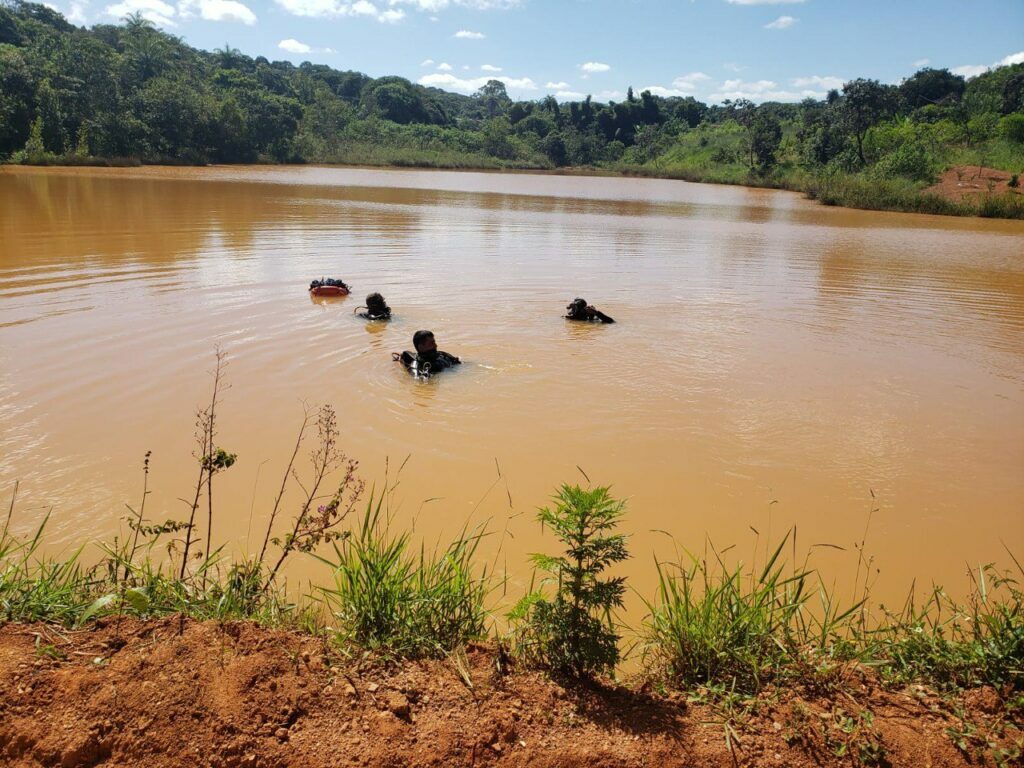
(728, 634)
(131, 93)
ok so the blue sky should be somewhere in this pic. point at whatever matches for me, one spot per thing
(711, 49)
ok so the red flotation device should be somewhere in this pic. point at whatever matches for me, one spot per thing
(328, 287)
(329, 290)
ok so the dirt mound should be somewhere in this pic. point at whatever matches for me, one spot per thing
(963, 182)
(179, 693)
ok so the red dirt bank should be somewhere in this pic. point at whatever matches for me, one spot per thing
(966, 182)
(150, 694)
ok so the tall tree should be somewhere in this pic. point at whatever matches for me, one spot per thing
(864, 103)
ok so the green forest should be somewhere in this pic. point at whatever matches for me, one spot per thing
(131, 93)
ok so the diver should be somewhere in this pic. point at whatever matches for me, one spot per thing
(376, 308)
(427, 359)
(580, 310)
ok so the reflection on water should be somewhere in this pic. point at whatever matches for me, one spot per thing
(771, 356)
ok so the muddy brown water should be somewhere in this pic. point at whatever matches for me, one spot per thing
(774, 364)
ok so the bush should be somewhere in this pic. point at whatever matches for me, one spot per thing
(1012, 127)
(909, 161)
(983, 126)
(574, 632)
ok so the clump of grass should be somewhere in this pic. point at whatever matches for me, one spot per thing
(957, 645)
(725, 629)
(412, 603)
(67, 592)
(715, 626)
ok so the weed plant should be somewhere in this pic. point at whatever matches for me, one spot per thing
(413, 603)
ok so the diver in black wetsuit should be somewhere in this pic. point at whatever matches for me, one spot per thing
(376, 308)
(427, 359)
(580, 310)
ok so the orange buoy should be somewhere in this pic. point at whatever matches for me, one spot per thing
(328, 287)
(329, 290)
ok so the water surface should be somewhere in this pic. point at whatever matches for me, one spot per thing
(775, 362)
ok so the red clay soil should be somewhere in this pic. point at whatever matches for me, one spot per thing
(964, 182)
(172, 693)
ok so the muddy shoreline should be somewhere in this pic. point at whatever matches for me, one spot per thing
(175, 692)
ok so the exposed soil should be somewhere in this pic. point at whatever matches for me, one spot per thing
(965, 182)
(179, 693)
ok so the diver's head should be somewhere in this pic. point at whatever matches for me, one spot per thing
(376, 304)
(577, 308)
(424, 343)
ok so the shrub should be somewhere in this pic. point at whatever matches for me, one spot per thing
(909, 161)
(1012, 127)
(574, 632)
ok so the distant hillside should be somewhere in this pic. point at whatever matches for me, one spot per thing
(133, 93)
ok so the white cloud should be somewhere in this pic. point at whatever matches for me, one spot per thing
(764, 2)
(76, 14)
(444, 66)
(490, 68)
(973, 70)
(217, 10)
(473, 84)
(922, 62)
(155, 11)
(828, 83)
(688, 84)
(761, 90)
(658, 90)
(783, 22)
(426, 62)
(569, 95)
(433, 6)
(594, 66)
(294, 46)
(733, 67)
(313, 7)
(340, 8)
(561, 85)
(465, 34)
(608, 95)
(970, 70)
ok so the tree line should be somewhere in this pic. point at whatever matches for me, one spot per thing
(134, 91)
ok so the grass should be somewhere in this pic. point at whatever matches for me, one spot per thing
(720, 627)
(412, 603)
(64, 591)
(855, 191)
(710, 625)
